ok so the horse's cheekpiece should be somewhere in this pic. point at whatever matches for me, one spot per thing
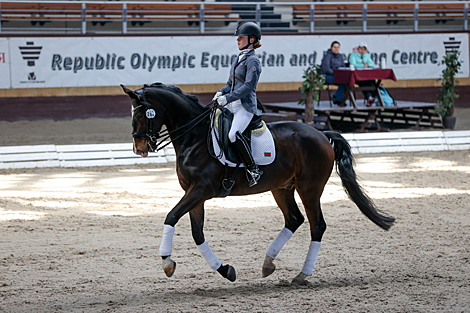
(262, 146)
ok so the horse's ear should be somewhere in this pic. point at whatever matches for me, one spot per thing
(130, 93)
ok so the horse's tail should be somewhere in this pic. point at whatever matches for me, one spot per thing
(345, 169)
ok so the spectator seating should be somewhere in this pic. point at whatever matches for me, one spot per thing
(172, 17)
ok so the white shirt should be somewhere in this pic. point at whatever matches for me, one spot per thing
(242, 53)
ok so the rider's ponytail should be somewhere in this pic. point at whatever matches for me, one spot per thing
(256, 44)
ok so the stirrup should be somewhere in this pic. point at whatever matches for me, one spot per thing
(253, 176)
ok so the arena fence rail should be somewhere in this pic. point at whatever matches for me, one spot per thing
(82, 155)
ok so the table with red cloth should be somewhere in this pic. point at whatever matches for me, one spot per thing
(350, 77)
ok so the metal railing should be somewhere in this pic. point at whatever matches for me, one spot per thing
(157, 17)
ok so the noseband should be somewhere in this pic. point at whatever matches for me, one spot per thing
(152, 136)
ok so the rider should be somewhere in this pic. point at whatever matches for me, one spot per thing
(239, 95)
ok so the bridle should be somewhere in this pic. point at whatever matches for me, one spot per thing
(150, 115)
(152, 135)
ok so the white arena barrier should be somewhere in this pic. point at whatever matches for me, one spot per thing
(79, 155)
(121, 153)
(408, 141)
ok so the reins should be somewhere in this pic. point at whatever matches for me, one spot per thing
(167, 133)
(156, 146)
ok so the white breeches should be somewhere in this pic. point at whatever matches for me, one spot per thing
(241, 118)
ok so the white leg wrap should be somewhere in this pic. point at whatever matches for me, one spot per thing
(209, 256)
(278, 243)
(167, 240)
(311, 257)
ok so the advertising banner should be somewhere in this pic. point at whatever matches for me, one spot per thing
(110, 61)
(4, 65)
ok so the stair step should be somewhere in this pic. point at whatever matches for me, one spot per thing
(275, 24)
(251, 8)
(241, 1)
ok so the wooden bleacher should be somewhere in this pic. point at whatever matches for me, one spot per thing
(167, 16)
(394, 13)
(391, 13)
(341, 13)
(98, 12)
(441, 11)
(37, 11)
(375, 12)
(179, 11)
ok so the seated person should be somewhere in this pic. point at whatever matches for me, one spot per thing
(361, 59)
(331, 61)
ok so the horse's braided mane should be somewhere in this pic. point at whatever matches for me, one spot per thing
(178, 91)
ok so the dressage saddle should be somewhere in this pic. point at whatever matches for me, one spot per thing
(224, 122)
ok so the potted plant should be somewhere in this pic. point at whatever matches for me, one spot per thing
(447, 94)
(311, 86)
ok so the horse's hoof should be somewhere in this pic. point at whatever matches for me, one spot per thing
(231, 274)
(168, 266)
(299, 280)
(227, 271)
(268, 266)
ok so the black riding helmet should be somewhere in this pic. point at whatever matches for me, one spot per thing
(249, 29)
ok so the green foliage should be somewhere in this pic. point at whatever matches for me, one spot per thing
(313, 82)
(311, 86)
(447, 94)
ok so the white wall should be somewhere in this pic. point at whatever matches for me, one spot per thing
(110, 61)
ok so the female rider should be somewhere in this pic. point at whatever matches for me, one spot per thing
(239, 95)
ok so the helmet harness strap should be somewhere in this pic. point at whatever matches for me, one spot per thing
(249, 43)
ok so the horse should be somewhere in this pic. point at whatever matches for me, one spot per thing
(304, 161)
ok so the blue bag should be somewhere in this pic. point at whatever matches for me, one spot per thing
(388, 100)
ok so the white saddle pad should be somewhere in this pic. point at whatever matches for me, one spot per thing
(262, 147)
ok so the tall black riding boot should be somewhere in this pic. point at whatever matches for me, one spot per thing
(253, 173)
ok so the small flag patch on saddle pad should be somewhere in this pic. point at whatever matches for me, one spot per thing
(267, 154)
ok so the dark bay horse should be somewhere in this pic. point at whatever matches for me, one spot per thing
(304, 161)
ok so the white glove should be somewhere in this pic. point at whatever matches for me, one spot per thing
(222, 100)
(217, 94)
